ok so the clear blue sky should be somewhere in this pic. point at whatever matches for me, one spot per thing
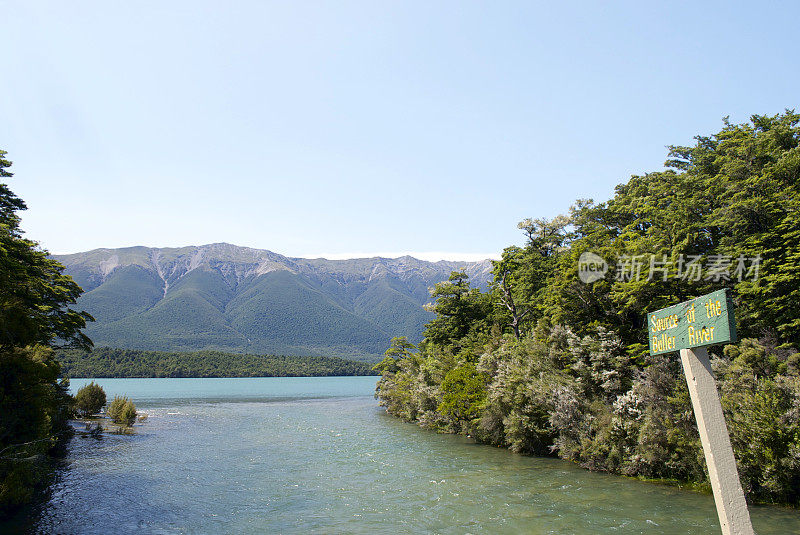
(362, 127)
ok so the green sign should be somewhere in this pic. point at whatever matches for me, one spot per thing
(703, 321)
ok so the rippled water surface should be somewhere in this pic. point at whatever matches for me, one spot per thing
(317, 455)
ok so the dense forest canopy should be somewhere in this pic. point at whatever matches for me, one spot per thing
(110, 362)
(547, 363)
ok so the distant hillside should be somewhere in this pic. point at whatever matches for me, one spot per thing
(229, 298)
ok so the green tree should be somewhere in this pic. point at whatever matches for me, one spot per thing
(752, 171)
(460, 310)
(34, 313)
(731, 200)
(463, 395)
(558, 365)
(90, 399)
(34, 293)
(121, 410)
(522, 275)
(399, 349)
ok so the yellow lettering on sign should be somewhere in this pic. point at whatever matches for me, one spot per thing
(713, 308)
(662, 324)
(663, 343)
(701, 336)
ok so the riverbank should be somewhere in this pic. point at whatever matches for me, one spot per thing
(583, 399)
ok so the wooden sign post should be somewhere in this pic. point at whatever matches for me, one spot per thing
(688, 327)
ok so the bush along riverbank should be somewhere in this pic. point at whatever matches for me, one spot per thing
(119, 417)
(552, 362)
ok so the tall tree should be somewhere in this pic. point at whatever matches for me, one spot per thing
(34, 293)
(34, 315)
(459, 310)
(522, 273)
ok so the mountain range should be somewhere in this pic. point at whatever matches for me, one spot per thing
(230, 298)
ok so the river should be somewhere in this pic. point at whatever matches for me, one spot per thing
(318, 455)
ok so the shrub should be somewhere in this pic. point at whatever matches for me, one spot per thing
(90, 399)
(122, 410)
(128, 414)
(463, 394)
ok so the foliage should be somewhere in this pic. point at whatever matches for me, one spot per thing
(761, 399)
(35, 293)
(121, 410)
(460, 311)
(90, 399)
(521, 276)
(544, 363)
(463, 394)
(35, 407)
(521, 395)
(732, 195)
(399, 349)
(35, 299)
(111, 362)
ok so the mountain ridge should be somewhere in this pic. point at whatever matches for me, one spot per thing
(226, 297)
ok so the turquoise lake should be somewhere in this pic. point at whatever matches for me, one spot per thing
(318, 455)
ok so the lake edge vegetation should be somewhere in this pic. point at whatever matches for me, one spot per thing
(543, 363)
(122, 411)
(105, 362)
(90, 400)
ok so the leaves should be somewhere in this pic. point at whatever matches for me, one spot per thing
(34, 293)
(575, 378)
(34, 313)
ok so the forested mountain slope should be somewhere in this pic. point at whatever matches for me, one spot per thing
(231, 298)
